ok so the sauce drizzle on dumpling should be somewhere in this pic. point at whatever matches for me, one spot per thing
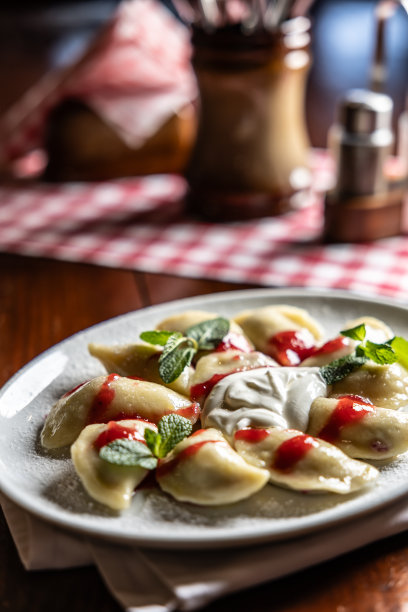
(201, 390)
(165, 468)
(290, 348)
(291, 451)
(115, 431)
(234, 341)
(349, 409)
(102, 399)
(288, 453)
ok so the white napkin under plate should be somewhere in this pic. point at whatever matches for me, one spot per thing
(145, 580)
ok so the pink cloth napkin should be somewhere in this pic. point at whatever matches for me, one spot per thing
(135, 75)
(145, 580)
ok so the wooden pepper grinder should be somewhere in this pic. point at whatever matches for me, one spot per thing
(250, 158)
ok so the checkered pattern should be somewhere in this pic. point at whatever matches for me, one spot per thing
(139, 224)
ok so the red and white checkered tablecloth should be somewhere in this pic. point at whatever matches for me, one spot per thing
(139, 224)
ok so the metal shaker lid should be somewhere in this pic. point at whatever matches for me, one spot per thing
(364, 112)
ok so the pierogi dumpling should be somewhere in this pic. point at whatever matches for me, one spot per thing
(204, 469)
(111, 485)
(383, 385)
(263, 397)
(299, 461)
(376, 331)
(285, 333)
(213, 367)
(108, 398)
(357, 427)
(140, 360)
(235, 339)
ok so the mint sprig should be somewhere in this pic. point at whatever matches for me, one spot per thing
(379, 353)
(208, 334)
(159, 338)
(177, 353)
(179, 350)
(340, 368)
(389, 352)
(400, 347)
(355, 333)
(129, 453)
(172, 428)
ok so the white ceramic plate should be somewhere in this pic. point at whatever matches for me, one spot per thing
(46, 484)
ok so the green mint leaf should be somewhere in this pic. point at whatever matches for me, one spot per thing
(340, 368)
(379, 353)
(208, 334)
(355, 333)
(400, 347)
(172, 429)
(159, 338)
(177, 354)
(129, 453)
(153, 440)
(175, 342)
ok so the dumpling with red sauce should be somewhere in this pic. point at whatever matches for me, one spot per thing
(110, 484)
(301, 462)
(359, 428)
(288, 334)
(139, 360)
(384, 385)
(180, 322)
(340, 346)
(108, 398)
(203, 469)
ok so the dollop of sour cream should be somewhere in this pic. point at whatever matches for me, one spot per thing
(264, 397)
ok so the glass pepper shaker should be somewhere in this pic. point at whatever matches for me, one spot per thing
(363, 205)
(250, 155)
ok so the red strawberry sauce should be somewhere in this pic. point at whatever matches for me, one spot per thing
(349, 409)
(291, 451)
(288, 453)
(290, 348)
(115, 431)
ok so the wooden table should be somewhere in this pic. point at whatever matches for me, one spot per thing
(42, 302)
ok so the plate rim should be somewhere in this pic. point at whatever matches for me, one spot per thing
(216, 540)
